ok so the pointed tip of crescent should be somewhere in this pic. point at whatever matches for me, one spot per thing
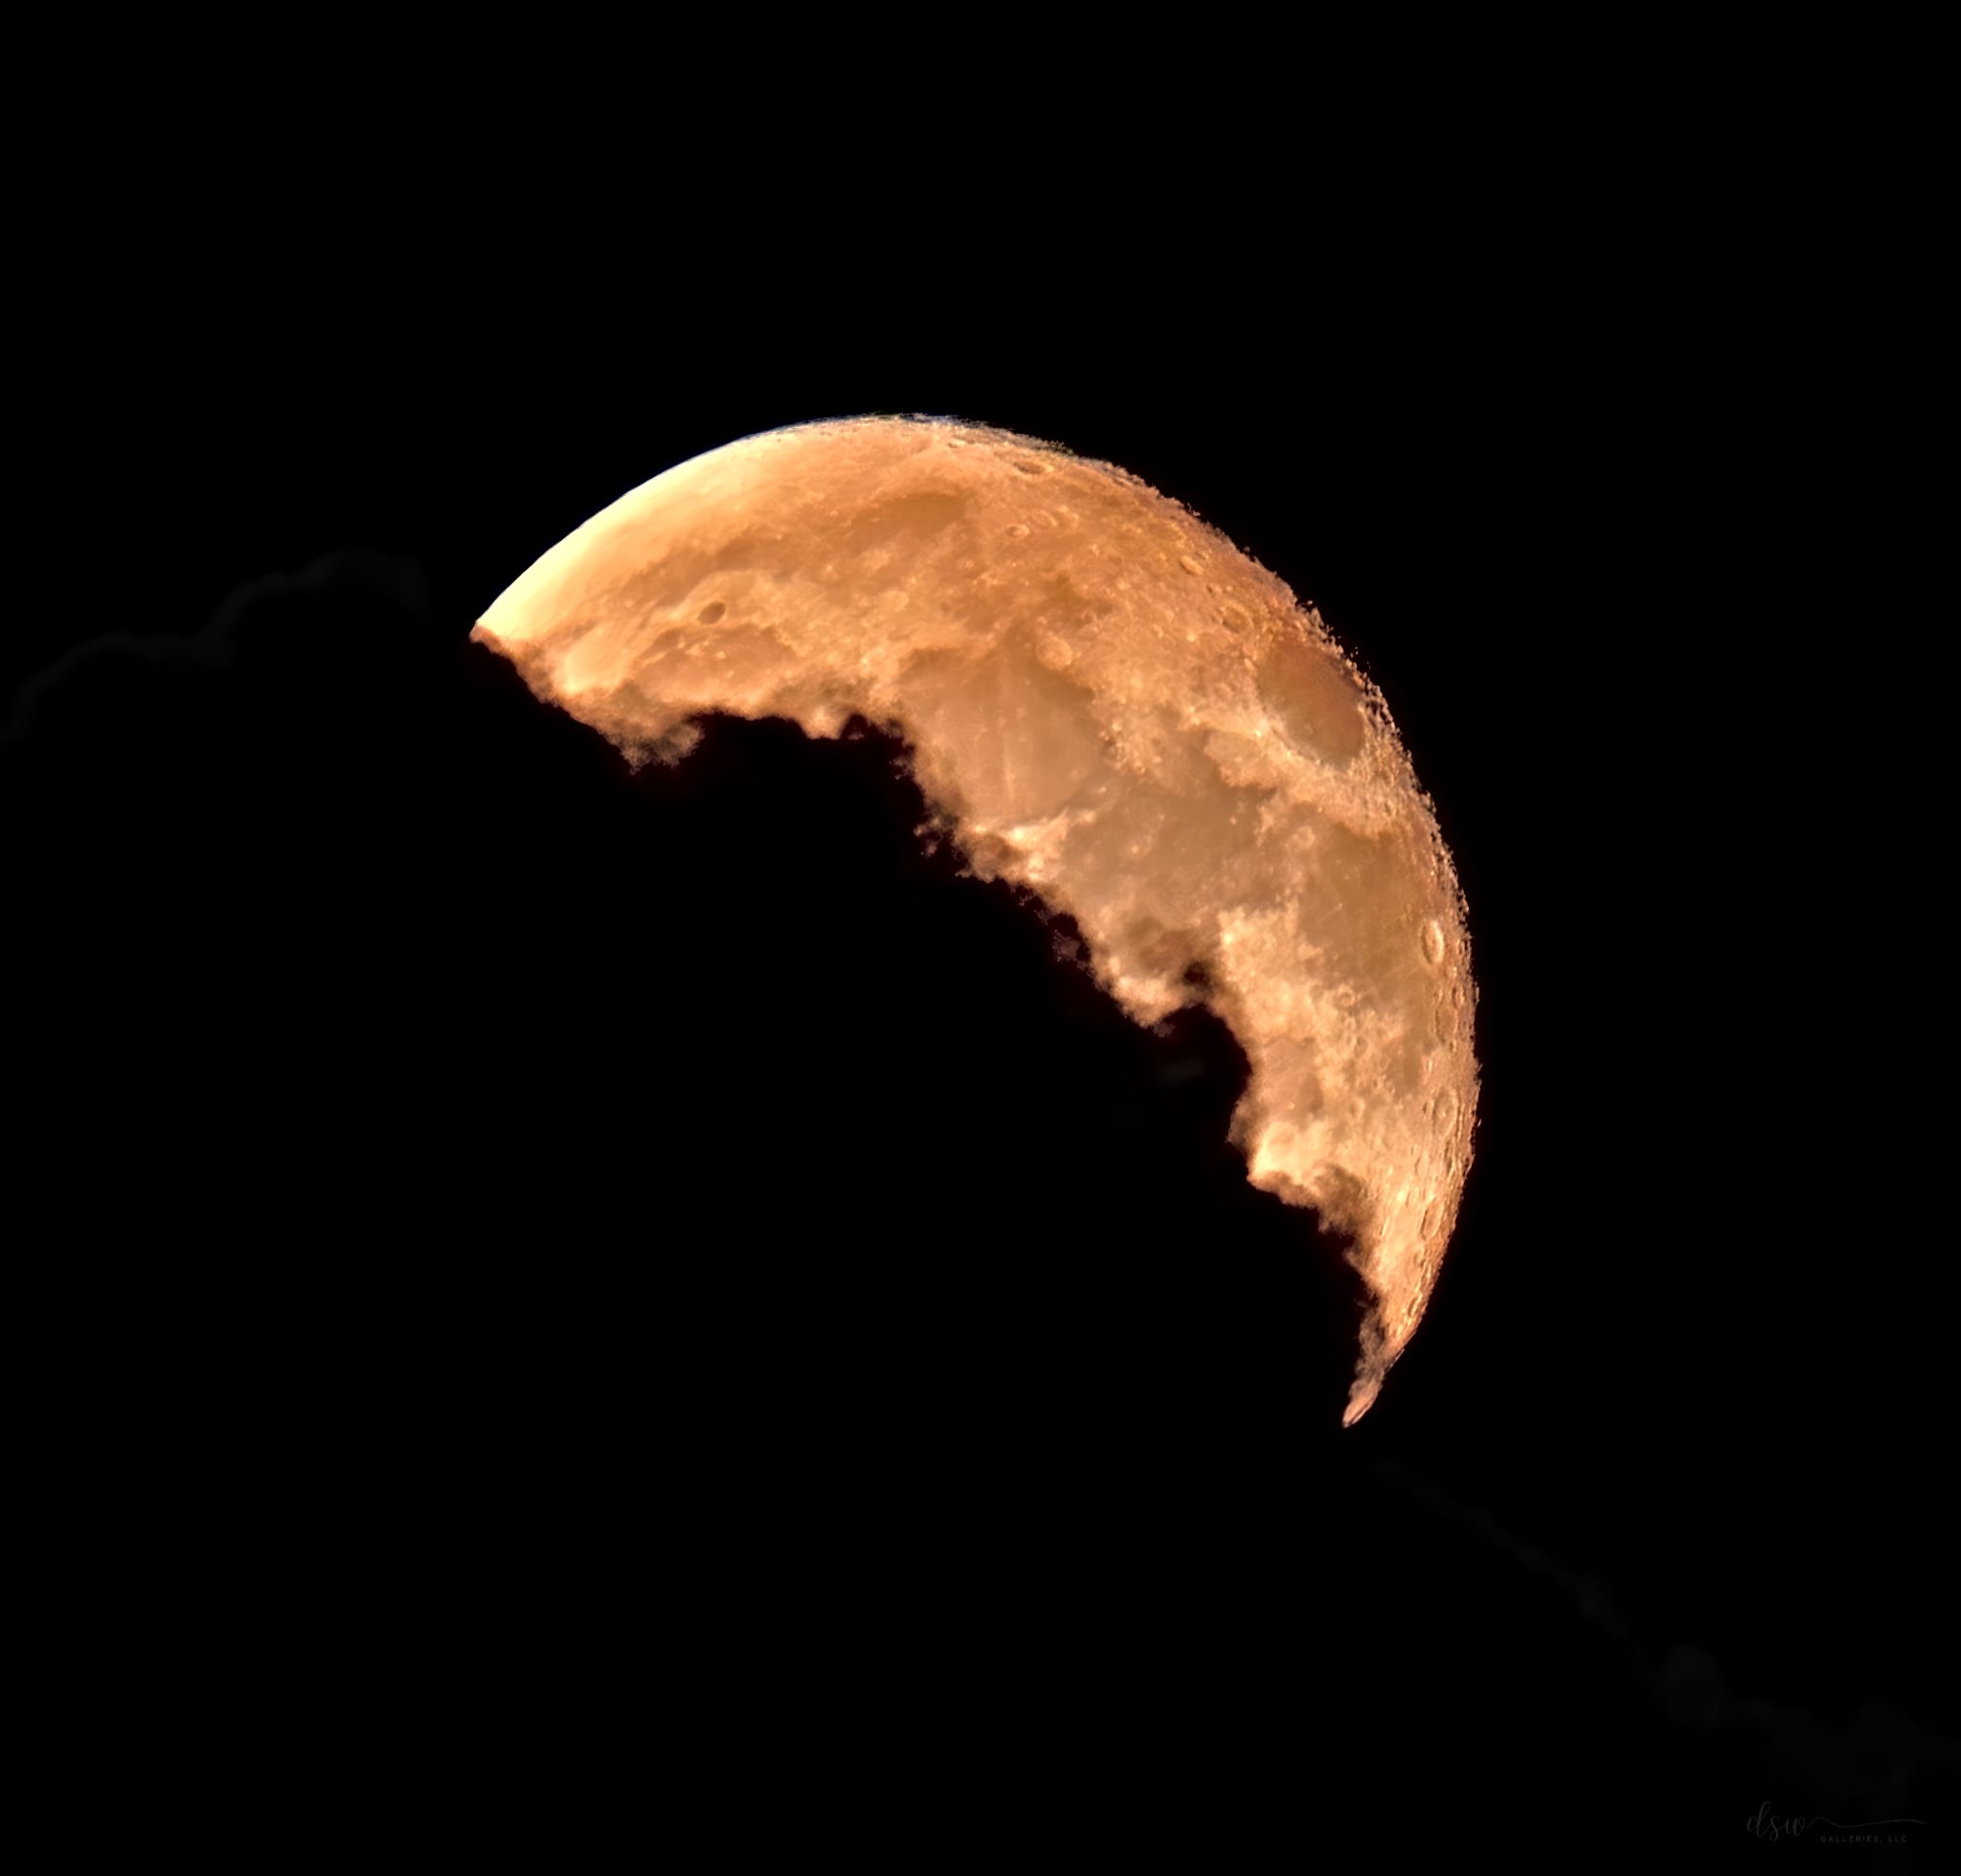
(1360, 1398)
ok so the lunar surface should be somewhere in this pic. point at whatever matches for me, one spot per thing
(1109, 705)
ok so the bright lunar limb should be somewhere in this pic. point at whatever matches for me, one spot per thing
(1112, 706)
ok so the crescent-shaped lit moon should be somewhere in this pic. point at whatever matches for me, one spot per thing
(1111, 706)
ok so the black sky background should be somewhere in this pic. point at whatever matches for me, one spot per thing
(535, 1277)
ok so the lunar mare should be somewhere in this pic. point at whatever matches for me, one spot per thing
(1111, 706)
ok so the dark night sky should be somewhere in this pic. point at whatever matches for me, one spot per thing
(525, 1266)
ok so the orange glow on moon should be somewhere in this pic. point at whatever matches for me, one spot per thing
(1112, 706)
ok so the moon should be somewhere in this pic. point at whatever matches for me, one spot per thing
(1109, 705)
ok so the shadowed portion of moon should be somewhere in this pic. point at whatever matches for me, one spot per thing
(929, 1115)
(1105, 703)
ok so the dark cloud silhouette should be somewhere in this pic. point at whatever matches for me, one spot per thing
(508, 1235)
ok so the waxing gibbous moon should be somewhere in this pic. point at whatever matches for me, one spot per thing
(1109, 705)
